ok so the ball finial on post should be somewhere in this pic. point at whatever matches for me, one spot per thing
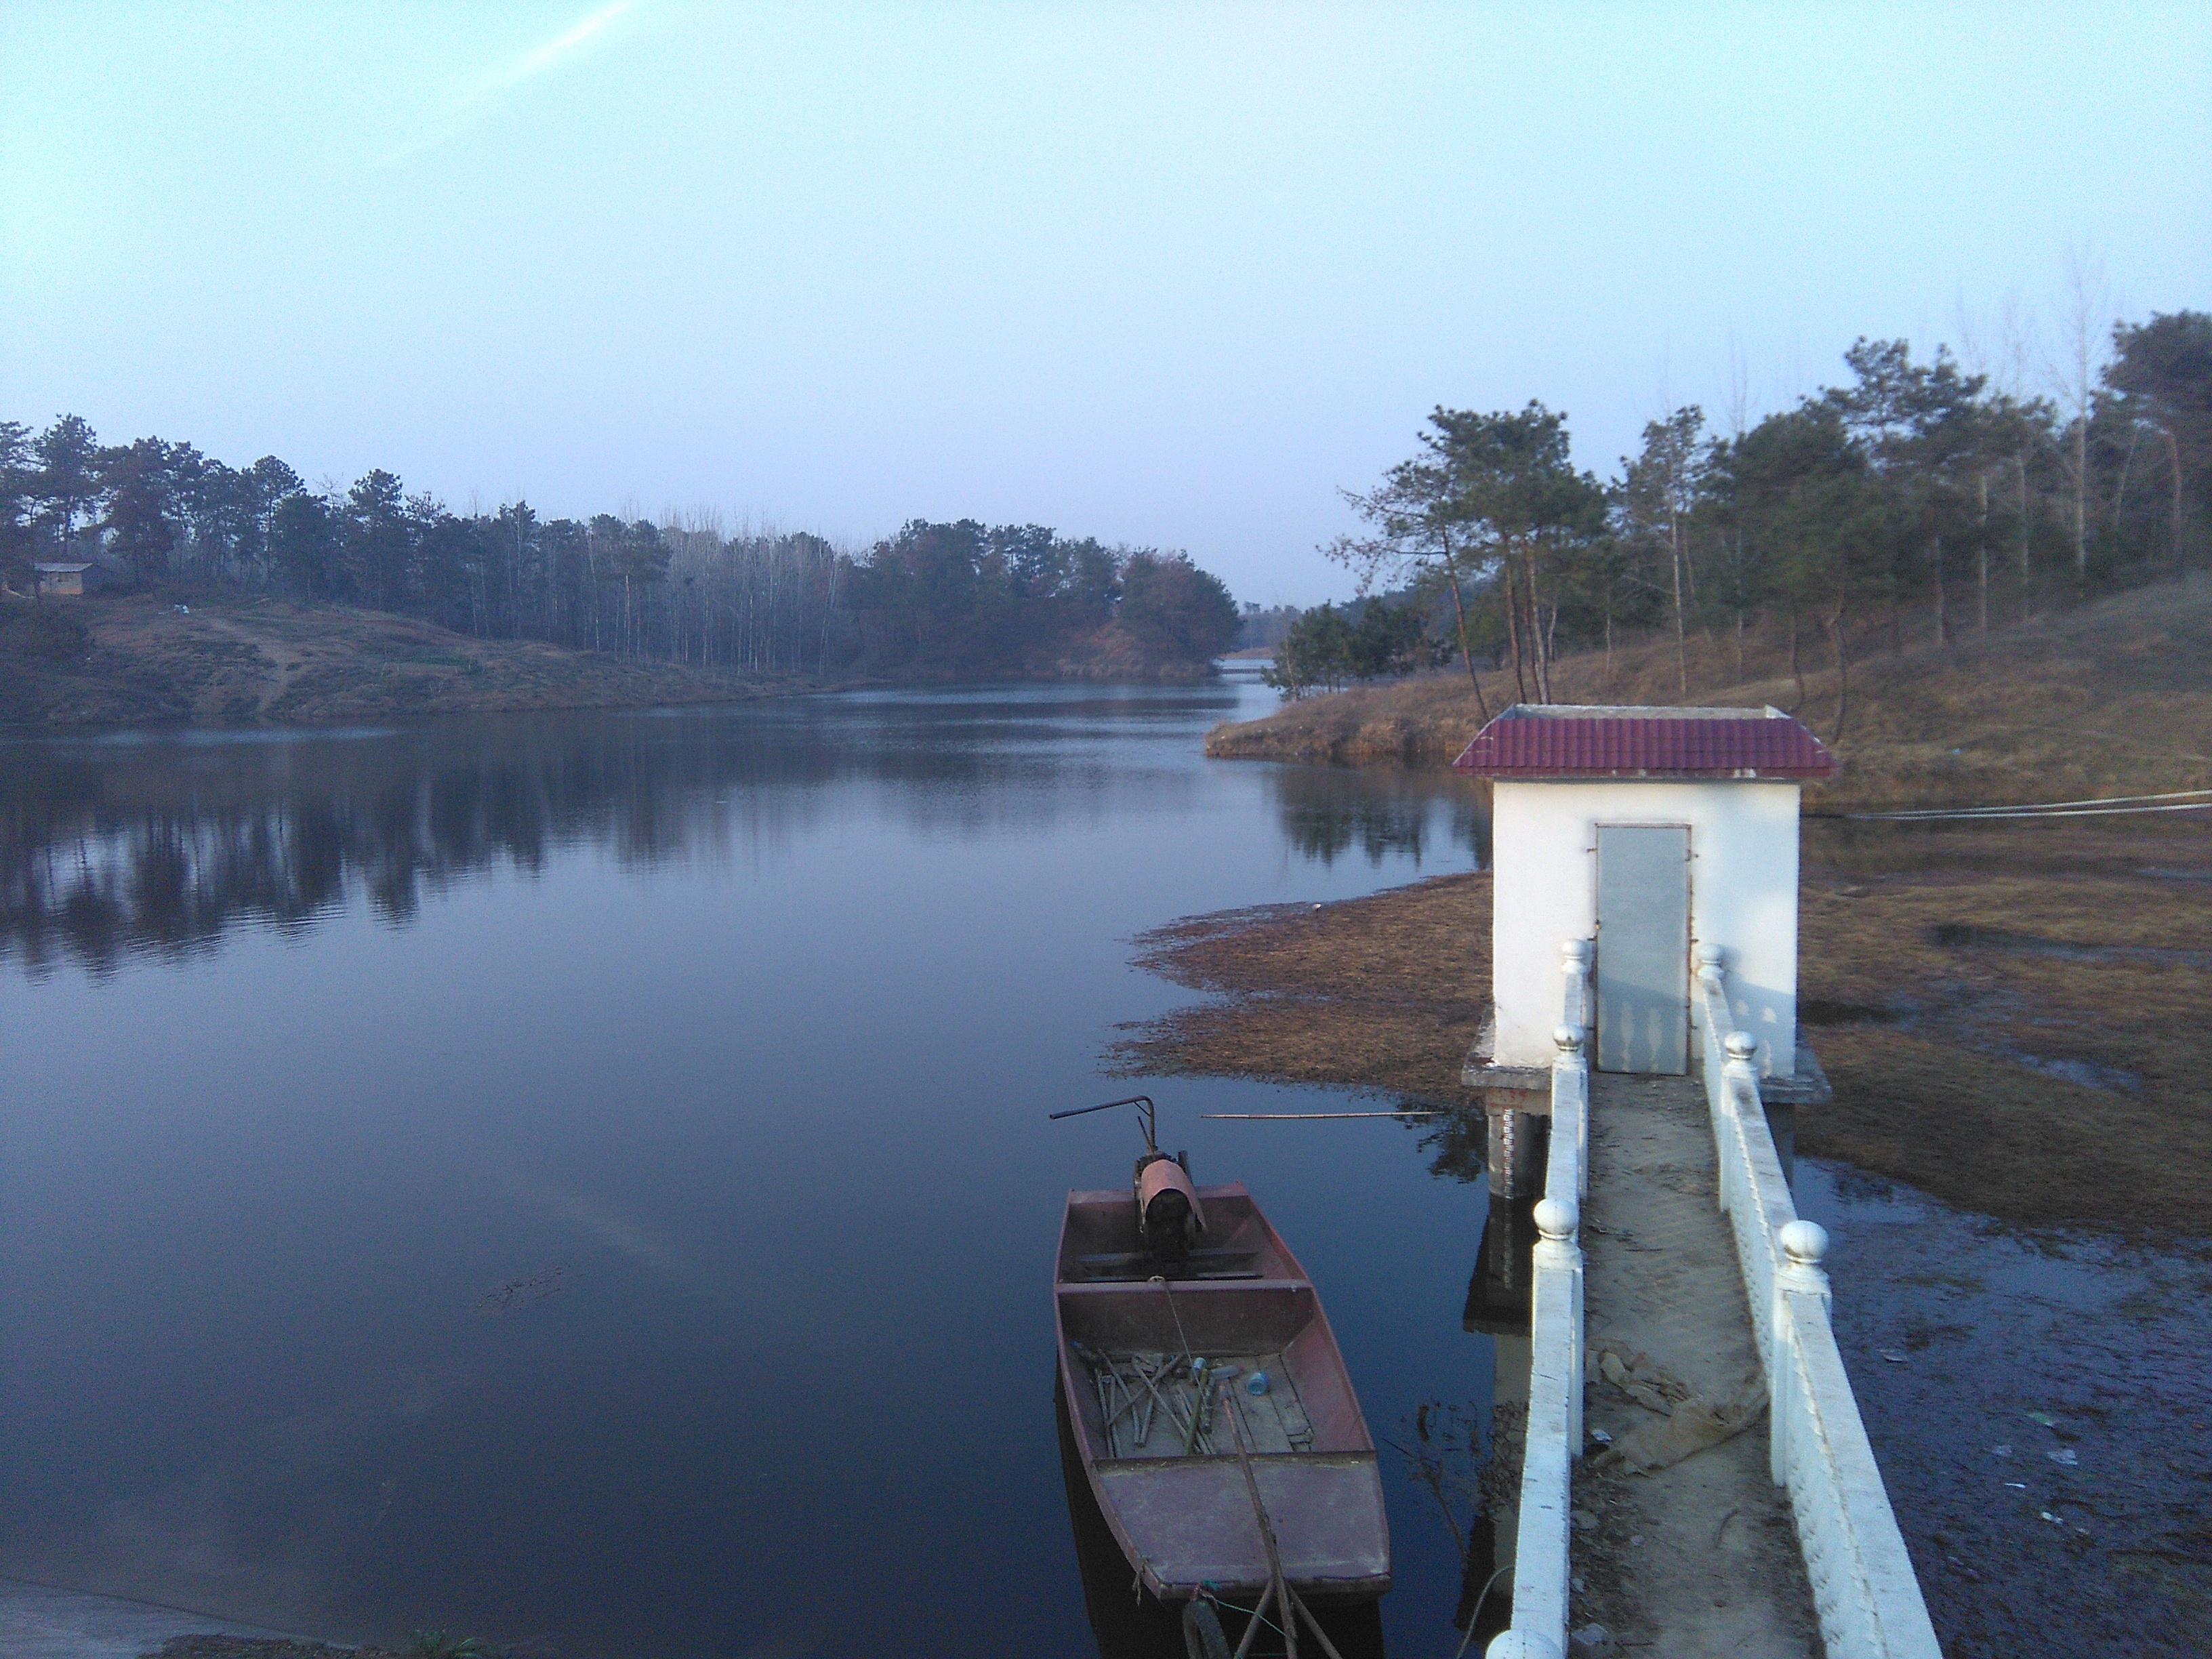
(1740, 1045)
(1520, 1644)
(1712, 969)
(1556, 1219)
(1804, 1243)
(1568, 1039)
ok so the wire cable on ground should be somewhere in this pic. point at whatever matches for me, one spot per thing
(1475, 1617)
(2188, 800)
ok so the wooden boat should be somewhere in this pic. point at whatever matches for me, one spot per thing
(1169, 1302)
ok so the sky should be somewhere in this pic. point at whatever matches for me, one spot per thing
(1169, 275)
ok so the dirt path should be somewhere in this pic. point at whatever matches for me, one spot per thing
(282, 662)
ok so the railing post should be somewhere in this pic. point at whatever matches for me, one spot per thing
(1803, 1244)
(1712, 972)
(1556, 1218)
(1743, 1050)
(1736, 1072)
(1570, 1079)
(1575, 964)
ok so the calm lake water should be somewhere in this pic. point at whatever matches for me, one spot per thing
(723, 1039)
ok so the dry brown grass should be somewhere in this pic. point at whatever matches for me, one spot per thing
(2115, 697)
(1947, 1046)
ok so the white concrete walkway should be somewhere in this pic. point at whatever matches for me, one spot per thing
(1701, 1558)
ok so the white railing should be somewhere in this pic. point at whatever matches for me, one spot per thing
(1863, 1586)
(1555, 1342)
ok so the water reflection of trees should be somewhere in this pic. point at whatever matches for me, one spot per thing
(109, 849)
(1327, 812)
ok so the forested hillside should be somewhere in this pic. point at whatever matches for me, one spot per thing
(2109, 697)
(1913, 494)
(934, 600)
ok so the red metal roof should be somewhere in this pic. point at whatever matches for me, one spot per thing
(1635, 743)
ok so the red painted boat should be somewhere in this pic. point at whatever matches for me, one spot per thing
(1177, 1307)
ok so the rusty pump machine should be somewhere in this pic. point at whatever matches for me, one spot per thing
(1169, 1221)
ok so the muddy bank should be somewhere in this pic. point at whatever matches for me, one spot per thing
(2037, 1400)
(1381, 994)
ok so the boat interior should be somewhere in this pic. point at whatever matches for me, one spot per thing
(1147, 1362)
(1099, 1242)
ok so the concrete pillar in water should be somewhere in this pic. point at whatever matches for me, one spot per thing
(1516, 1148)
(1782, 1124)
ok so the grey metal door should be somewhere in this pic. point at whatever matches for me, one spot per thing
(1643, 948)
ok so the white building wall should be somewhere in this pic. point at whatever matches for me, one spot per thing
(1743, 898)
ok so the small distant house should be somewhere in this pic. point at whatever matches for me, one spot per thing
(1649, 833)
(64, 580)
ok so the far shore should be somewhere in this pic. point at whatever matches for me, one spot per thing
(2112, 698)
(113, 662)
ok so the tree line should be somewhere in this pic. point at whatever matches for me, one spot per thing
(1381, 636)
(960, 598)
(1913, 490)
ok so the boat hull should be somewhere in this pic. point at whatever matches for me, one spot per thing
(1182, 1517)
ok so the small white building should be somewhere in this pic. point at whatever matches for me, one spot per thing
(1650, 832)
(61, 580)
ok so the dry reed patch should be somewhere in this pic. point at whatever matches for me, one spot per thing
(1381, 993)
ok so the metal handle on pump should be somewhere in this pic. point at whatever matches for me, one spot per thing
(1150, 1115)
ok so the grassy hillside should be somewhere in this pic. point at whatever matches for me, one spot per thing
(130, 660)
(2114, 697)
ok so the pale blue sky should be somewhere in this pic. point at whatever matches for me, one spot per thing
(1164, 274)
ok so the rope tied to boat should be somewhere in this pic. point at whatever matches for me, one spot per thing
(1198, 1404)
(1168, 1291)
(1279, 1594)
